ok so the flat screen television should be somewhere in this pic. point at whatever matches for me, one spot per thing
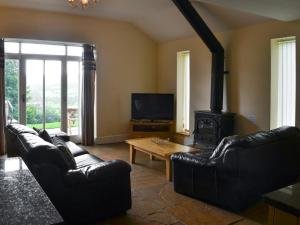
(152, 106)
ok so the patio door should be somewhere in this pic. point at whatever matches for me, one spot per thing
(43, 85)
(42, 99)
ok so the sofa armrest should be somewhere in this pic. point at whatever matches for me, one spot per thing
(195, 175)
(191, 158)
(99, 171)
(199, 166)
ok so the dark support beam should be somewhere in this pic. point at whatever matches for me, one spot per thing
(217, 71)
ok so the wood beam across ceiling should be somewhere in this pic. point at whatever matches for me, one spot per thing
(217, 71)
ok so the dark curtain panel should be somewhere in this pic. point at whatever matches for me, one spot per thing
(2, 96)
(88, 95)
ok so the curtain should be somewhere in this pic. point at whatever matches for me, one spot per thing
(88, 95)
(2, 96)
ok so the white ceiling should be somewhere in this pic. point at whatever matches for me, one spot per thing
(162, 20)
(285, 10)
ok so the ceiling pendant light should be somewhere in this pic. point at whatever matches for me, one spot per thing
(84, 3)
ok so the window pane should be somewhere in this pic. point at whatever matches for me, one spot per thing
(29, 48)
(12, 90)
(283, 82)
(74, 74)
(53, 95)
(34, 93)
(183, 92)
(286, 83)
(11, 47)
(75, 51)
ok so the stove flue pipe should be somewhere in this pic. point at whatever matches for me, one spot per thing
(217, 70)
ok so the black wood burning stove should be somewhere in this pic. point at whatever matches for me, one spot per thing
(210, 126)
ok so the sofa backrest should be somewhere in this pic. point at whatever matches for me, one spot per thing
(17, 129)
(262, 161)
(255, 140)
(33, 149)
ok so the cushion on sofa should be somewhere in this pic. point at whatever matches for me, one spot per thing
(58, 141)
(43, 134)
(67, 155)
(75, 149)
(224, 144)
(86, 160)
(62, 135)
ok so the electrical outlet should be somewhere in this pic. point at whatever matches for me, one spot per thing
(252, 118)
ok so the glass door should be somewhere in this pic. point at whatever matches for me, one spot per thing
(74, 69)
(52, 91)
(12, 90)
(43, 85)
(43, 94)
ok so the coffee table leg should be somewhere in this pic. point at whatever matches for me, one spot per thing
(151, 157)
(131, 154)
(168, 170)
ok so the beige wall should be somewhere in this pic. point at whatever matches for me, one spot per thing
(200, 71)
(248, 61)
(127, 58)
(129, 61)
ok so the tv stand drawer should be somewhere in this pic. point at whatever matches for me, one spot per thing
(161, 129)
(151, 128)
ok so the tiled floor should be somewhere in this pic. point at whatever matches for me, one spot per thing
(156, 203)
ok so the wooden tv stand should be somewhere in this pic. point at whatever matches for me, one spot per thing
(146, 128)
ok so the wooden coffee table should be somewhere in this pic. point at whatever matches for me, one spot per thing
(161, 150)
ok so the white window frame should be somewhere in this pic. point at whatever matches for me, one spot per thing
(22, 57)
(283, 82)
(183, 92)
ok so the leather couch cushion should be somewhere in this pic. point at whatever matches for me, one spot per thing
(44, 135)
(224, 144)
(19, 129)
(67, 155)
(75, 149)
(57, 141)
(39, 151)
(86, 160)
(62, 135)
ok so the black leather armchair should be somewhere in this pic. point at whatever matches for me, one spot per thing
(93, 190)
(240, 169)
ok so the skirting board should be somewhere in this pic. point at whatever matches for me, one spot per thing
(111, 139)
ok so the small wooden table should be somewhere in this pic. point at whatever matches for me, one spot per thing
(284, 205)
(159, 150)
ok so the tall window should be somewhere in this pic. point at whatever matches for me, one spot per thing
(283, 82)
(42, 84)
(183, 92)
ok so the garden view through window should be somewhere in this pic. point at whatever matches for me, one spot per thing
(42, 85)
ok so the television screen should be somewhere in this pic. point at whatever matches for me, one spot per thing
(152, 106)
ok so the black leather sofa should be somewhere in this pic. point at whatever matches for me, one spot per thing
(240, 169)
(91, 190)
